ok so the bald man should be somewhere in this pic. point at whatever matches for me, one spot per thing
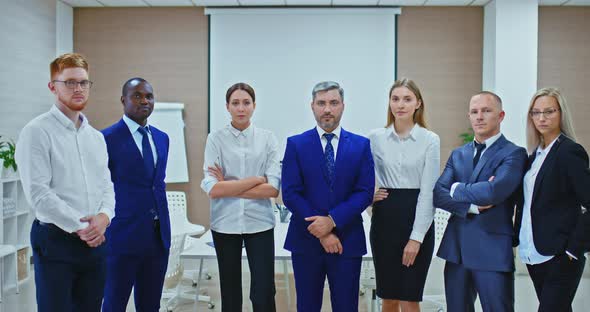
(476, 187)
(138, 238)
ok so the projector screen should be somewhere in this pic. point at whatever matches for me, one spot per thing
(283, 53)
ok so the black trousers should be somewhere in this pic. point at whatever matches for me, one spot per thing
(69, 275)
(260, 251)
(556, 282)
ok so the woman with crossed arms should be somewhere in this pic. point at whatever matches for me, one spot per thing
(242, 174)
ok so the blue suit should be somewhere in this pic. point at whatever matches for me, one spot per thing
(137, 245)
(306, 192)
(478, 247)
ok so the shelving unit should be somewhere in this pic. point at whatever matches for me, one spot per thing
(15, 247)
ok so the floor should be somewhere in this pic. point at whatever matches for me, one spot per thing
(525, 297)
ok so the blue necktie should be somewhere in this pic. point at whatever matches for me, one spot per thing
(479, 147)
(329, 158)
(148, 156)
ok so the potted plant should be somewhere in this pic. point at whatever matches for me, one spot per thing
(467, 137)
(7, 150)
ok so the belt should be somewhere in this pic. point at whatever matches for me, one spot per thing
(55, 227)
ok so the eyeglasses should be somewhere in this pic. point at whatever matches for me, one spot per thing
(72, 84)
(547, 113)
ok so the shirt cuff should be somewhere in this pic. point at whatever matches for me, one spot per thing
(274, 182)
(569, 254)
(453, 187)
(419, 237)
(474, 209)
(333, 222)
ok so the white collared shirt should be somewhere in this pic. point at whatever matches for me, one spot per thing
(242, 154)
(138, 137)
(64, 170)
(412, 162)
(334, 141)
(474, 209)
(526, 249)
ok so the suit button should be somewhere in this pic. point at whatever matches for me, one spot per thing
(153, 188)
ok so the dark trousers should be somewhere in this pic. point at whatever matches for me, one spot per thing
(69, 275)
(462, 285)
(144, 272)
(556, 282)
(261, 255)
(343, 273)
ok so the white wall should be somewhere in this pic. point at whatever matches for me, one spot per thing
(510, 59)
(27, 34)
(64, 29)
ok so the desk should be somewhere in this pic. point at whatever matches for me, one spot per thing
(200, 250)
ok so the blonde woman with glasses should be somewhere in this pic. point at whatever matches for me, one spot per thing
(551, 230)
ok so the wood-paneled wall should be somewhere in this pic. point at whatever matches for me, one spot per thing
(167, 47)
(564, 60)
(440, 48)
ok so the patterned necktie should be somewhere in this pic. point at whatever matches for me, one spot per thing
(479, 148)
(148, 156)
(329, 159)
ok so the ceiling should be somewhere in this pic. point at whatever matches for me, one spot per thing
(244, 3)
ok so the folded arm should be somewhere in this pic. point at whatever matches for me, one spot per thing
(507, 178)
(442, 191)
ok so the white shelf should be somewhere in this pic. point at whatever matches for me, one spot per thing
(14, 232)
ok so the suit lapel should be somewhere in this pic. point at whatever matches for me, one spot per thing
(343, 144)
(547, 163)
(488, 154)
(467, 153)
(159, 143)
(129, 142)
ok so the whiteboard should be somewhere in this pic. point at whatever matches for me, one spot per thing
(283, 53)
(168, 118)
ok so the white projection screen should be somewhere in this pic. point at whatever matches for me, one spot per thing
(282, 53)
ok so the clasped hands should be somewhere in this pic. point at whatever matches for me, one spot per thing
(93, 234)
(321, 227)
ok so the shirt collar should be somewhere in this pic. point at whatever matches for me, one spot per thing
(411, 135)
(236, 132)
(65, 121)
(547, 148)
(132, 125)
(336, 132)
(491, 140)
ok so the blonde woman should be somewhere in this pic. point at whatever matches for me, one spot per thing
(407, 160)
(552, 231)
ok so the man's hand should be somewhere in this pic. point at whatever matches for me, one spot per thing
(482, 208)
(380, 195)
(93, 235)
(320, 226)
(331, 244)
(410, 252)
(216, 172)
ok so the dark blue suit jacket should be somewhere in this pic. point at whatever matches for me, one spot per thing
(306, 191)
(484, 241)
(135, 192)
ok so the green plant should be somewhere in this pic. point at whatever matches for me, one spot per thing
(7, 149)
(467, 137)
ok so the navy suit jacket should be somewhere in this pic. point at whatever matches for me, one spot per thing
(481, 241)
(135, 192)
(306, 191)
(561, 187)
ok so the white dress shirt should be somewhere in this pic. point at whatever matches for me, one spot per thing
(412, 162)
(138, 137)
(64, 170)
(526, 249)
(474, 209)
(242, 154)
(334, 141)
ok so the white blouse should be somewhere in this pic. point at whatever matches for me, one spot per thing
(412, 162)
(242, 154)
